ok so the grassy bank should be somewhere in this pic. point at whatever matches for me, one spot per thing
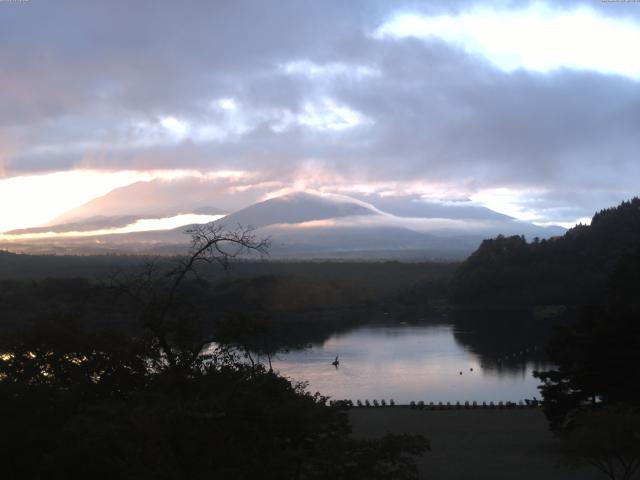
(475, 444)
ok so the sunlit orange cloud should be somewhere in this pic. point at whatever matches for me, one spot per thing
(34, 200)
(330, 222)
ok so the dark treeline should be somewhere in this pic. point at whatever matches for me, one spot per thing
(303, 302)
(592, 394)
(598, 353)
(14, 266)
(568, 270)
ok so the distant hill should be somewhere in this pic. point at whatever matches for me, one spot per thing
(417, 207)
(153, 199)
(570, 269)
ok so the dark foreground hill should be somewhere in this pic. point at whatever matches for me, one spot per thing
(569, 270)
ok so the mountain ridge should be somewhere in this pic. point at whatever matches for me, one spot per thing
(319, 224)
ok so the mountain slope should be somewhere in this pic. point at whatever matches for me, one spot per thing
(417, 207)
(298, 207)
(163, 198)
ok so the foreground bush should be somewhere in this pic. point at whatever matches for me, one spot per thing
(76, 403)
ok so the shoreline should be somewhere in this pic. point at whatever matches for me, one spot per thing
(421, 405)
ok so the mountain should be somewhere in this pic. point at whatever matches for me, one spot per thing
(164, 198)
(152, 199)
(298, 207)
(366, 242)
(417, 207)
(303, 225)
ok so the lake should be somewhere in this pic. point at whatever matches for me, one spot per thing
(409, 362)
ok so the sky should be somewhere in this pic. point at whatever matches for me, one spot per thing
(529, 108)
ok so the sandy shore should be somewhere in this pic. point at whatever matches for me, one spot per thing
(475, 444)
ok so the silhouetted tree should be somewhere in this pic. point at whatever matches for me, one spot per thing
(607, 439)
(597, 358)
(159, 292)
(592, 397)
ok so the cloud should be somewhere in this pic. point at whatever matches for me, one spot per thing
(332, 95)
(140, 225)
(537, 38)
(329, 70)
(36, 199)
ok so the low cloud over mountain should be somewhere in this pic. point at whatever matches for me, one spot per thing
(302, 224)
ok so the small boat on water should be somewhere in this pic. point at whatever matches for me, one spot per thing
(336, 362)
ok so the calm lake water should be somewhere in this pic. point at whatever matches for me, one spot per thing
(407, 362)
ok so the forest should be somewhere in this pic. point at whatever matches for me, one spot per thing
(568, 270)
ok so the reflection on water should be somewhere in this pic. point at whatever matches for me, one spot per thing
(408, 362)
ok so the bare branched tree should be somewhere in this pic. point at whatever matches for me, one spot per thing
(606, 438)
(154, 288)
